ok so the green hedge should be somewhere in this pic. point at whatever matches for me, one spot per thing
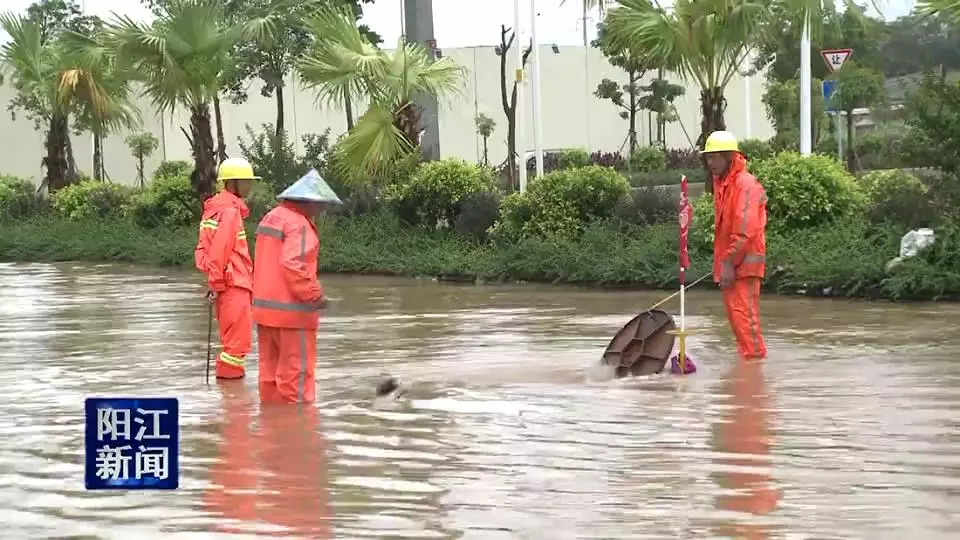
(828, 233)
(847, 258)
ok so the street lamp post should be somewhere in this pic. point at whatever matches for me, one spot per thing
(806, 144)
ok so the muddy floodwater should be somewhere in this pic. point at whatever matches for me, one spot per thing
(850, 430)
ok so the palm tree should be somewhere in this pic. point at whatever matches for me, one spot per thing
(180, 60)
(104, 95)
(342, 65)
(703, 40)
(50, 87)
(950, 8)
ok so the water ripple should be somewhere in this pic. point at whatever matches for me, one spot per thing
(850, 430)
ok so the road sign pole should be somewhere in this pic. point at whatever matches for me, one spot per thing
(836, 116)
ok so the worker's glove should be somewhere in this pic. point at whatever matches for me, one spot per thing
(211, 296)
(322, 303)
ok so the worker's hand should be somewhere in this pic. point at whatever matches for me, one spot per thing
(211, 296)
(322, 303)
(727, 275)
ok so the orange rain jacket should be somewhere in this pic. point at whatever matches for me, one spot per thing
(286, 293)
(740, 220)
(222, 252)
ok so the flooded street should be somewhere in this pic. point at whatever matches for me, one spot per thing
(851, 429)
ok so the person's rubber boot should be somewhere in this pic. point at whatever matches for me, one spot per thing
(229, 371)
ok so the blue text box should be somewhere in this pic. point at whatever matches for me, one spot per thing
(132, 443)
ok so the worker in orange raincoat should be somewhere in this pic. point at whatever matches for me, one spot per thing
(287, 296)
(270, 468)
(223, 255)
(739, 245)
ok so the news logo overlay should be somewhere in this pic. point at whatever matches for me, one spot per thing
(132, 443)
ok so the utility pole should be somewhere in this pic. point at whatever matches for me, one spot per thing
(418, 28)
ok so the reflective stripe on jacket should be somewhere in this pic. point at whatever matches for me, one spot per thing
(222, 252)
(740, 221)
(286, 293)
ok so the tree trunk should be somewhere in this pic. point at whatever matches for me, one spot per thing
(712, 106)
(204, 153)
(633, 113)
(221, 145)
(486, 162)
(56, 159)
(278, 91)
(851, 155)
(661, 125)
(140, 179)
(348, 107)
(97, 157)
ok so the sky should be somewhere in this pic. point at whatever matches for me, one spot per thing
(457, 23)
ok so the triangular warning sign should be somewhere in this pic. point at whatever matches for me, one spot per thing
(835, 58)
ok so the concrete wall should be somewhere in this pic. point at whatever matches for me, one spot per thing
(572, 117)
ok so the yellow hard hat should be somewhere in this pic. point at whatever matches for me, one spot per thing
(235, 169)
(720, 141)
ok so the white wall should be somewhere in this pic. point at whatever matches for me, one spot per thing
(568, 108)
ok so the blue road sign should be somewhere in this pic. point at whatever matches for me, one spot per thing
(132, 443)
(828, 89)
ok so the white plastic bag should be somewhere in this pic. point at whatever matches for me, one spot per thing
(914, 241)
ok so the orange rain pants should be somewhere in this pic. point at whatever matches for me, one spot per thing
(739, 249)
(232, 310)
(288, 358)
(274, 473)
(746, 439)
(742, 300)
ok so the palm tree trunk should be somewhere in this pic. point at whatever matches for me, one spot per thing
(486, 161)
(56, 159)
(221, 145)
(204, 153)
(712, 106)
(633, 113)
(279, 94)
(140, 179)
(348, 107)
(97, 157)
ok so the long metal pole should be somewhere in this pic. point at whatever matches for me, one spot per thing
(586, 78)
(518, 118)
(537, 109)
(806, 144)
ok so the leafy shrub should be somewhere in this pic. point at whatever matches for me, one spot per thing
(561, 202)
(91, 199)
(173, 168)
(646, 206)
(273, 157)
(933, 118)
(168, 201)
(573, 158)
(897, 197)
(683, 158)
(668, 177)
(702, 226)
(943, 191)
(806, 191)
(437, 191)
(756, 149)
(260, 200)
(17, 197)
(478, 213)
(613, 160)
(648, 159)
